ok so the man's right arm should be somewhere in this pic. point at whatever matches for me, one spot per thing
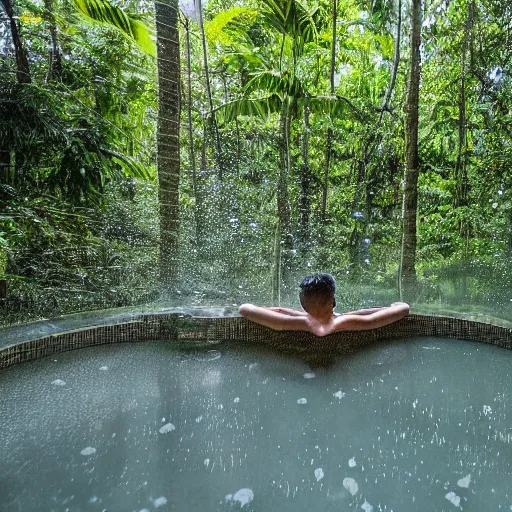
(273, 319)
(378, 318)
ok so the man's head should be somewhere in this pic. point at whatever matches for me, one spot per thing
(317, 293)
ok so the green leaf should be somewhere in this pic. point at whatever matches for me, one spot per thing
(220, 29)
(104, 12)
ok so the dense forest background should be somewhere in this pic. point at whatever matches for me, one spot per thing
(214, 153)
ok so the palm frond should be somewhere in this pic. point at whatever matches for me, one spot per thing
(259, 107)
(104, 12)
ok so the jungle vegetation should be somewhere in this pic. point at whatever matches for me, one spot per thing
(214, 152)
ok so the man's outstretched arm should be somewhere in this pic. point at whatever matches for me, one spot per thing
(274, 319)
(377, 318)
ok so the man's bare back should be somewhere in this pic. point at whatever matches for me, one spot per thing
(318, 317)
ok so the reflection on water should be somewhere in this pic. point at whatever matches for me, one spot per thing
(411, 425)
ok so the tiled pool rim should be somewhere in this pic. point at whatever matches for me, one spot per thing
(204, 330)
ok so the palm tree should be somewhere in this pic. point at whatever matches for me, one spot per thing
(281, 91)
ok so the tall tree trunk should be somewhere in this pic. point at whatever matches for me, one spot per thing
(168, 141)
(305, 181)
(23, 70)
(55, 55)
(410, 200)
(213, 119)
(328, 151)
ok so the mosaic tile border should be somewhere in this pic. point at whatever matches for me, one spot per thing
(172, 327)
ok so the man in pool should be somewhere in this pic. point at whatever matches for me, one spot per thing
(318, 302)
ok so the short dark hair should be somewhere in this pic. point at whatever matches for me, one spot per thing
(319, 289)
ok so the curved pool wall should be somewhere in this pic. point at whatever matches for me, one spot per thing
(206, 326)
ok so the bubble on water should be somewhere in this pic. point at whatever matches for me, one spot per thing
(351, 485)
(198, 419)
(367, 507)
(302, 401)
(58, 382)
(352, 462)
(453, 498)
(88, 451)
(159, 502)
(243, 496)
(206, 462)
(104, 368)
(236, 400)
(464, 482)
(93, 499)
(309, 375)
(319, 474)
(168, 427)
(339, 394)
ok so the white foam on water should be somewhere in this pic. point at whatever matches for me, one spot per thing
(351, 485)
(309, 375)
(144, 510)
(339, 394)
(198, 419)
(253, 365)
(163, 420)
(453, 498)
(352, 462)
(104, 368)
(206, 462)
(367, 507)
(302, 401)
(236, 400)
(464, 482)
(319, 474)
(159, 502)
(88, 451)
(58, 382)
(168, 427)
(487, 410)
(228, 497)
(243, 496)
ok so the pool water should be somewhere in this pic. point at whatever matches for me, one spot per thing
(407, 425)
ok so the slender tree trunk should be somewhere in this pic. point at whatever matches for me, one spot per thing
(328, 152)
(5, 163)
(276, 267)
(305, 202)
(213, 120)
(283, 197)
(410, 199)
(396, 62)
(55, 54)
(461, 176)
(168, 141)
(190, 125)
(23, 70)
